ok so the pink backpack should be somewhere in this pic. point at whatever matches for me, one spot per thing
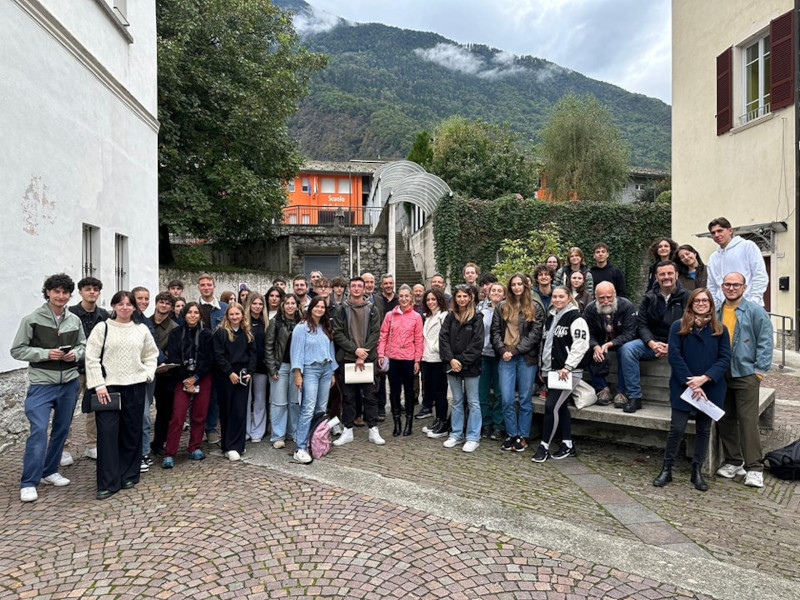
(319, 436)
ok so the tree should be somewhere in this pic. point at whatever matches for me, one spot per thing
(523, 255)
(480, 160)
(584, 155)
(654, 189)
(230, 75)
(422, 150)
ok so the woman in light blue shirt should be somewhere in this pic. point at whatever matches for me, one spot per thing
(313, 364)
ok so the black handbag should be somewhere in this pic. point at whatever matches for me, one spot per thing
(90, 403)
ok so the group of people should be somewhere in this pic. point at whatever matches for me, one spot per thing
(268, 364)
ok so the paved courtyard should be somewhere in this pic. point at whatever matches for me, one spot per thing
(408, 520)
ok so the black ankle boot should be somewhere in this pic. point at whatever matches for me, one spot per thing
(664, 477)
(409, 421)
(398, 426)
(697, 479)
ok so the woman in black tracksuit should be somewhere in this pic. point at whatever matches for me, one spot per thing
(565, 350)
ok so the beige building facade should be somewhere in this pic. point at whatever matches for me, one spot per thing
(733, 130)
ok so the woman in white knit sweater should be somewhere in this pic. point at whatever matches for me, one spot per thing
(129, 357)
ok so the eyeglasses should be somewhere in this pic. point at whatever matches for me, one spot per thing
(732, 286)
(701, 301)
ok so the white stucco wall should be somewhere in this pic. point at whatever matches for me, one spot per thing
(80, 141)
(746, 174)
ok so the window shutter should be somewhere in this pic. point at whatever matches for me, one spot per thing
(724, 92)
(781, 79)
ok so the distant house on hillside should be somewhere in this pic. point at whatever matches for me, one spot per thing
(733, 130)
(639, 178)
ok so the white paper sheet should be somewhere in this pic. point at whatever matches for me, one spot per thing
(708, 407)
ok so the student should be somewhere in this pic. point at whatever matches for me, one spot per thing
(235, 361)
(284, 409)
(433, 368)
(257, 403)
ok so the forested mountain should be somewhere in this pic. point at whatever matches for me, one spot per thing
(383, 84)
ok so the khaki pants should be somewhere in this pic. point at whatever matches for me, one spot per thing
(738, 429)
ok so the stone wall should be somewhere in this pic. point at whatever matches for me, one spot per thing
(13, 424)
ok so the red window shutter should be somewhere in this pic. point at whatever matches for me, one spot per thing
(781, 79)
(724, 92)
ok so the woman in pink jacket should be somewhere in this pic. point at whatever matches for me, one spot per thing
(401, 341)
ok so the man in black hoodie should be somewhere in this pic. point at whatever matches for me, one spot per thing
(659, 309)
(605, 271)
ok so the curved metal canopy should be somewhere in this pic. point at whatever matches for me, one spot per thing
(420, 189)
(391, 174)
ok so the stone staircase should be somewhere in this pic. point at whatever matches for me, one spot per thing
(404, 265)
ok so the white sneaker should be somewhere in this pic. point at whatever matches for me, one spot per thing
(729, 471)
(66, 459)
(471, 446)
(90, 453)
(233, 455)
(345, 438)
(278, 444)
(28, 494)
(451, 442)
(375, 436)
(302, 456)
(754, 479)
(56, 479)
(255, 440)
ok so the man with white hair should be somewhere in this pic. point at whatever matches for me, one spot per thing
(612, 323)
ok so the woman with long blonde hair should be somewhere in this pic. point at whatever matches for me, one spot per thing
(235, 360)
(516, 332)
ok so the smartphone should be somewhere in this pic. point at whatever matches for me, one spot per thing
(65, 349)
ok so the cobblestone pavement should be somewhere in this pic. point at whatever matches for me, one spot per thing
(273, 529)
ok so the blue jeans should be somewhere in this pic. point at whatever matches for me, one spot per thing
(146, 419)
(491, 405)
(41, 459)
(316, 389)
(457, 411)
(516, 374)
(284, 408)
(629, 378)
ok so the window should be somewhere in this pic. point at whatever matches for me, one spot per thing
(305, 185)
(756, 78)
(121, 261)
(344, 186)
(327, 185)
(291, 185)
(306, 219)
(90, 254)
(639, 187)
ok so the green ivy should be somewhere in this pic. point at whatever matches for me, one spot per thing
(474, 230)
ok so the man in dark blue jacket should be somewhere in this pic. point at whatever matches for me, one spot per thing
(660, 307)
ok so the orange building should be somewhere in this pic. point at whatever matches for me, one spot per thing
(324, 192)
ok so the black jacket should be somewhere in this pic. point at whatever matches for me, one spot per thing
(278, 339)
(345, 346)
(612, 274)
(463, 342)
(259, 329)
(655, 319)
(89, 320)
(181, 348)
(233, 356)
(625, 324)
(530, 334)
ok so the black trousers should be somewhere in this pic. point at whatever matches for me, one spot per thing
(677, 427)
(164, 394)
(350, 396)
(119, 439)
(401, 377)
(232, 413)
(435, 389)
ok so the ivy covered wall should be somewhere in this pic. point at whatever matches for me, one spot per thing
(472, 230)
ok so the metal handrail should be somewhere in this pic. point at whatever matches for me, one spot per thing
(330, 216)
(783, 334)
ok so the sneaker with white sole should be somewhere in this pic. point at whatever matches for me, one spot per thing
(452, 442)
(470, 446)
(729, 471)
(345, 438)
(66, 459)
(302, 456)
(56, 479)
(754, 479)
(28, 494)
(255, 440)
(90, 453)
(542, 454)
(375, 436)
(278, 444)
(233, 455)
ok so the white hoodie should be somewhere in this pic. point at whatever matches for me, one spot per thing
(739, 256)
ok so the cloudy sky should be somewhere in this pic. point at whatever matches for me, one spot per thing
(624, 42)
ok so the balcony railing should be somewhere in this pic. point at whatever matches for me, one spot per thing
(754, 114)
(330, 216)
